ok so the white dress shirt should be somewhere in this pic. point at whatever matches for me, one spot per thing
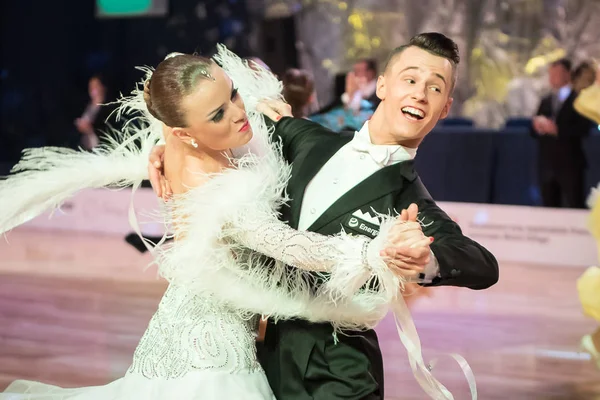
(559, 97)
(349, 166)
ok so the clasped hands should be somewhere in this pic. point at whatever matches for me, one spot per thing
(408, 249)
(544, 126)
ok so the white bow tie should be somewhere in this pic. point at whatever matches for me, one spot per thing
(380, 154)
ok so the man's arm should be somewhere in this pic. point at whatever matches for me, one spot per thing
(572, 123)
(290, 131)
(461, 261)
(536, 128)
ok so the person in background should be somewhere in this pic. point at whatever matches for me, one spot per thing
(559, 130)
(361, 84)
(298, 91)
(583, 76)
(587, 102)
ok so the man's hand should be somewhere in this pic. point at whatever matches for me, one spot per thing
(351, 84)
(545, 126)
(551, 128)
(409, 253)
(159, 183)
(274, 109)
(539, 124)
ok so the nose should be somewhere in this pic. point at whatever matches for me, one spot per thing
(419, 93)
(239, 113)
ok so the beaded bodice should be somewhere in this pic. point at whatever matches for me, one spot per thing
(194, 332)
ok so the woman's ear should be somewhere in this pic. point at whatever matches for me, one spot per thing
(182, 135)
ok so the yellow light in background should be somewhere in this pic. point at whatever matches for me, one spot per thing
(343, 5)
(533, 64)
(503, 38)
(548, 41)
(540, 61)
(376, 41)
(356, 21)
(327, 63)
(361, 40)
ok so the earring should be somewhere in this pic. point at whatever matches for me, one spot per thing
(194, 144)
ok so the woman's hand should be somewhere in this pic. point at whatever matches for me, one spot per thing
(409, 252)
(274, 109)
(159, 183)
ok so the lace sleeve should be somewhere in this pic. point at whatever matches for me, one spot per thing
(346, 263)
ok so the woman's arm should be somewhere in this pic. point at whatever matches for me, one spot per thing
(343, 263)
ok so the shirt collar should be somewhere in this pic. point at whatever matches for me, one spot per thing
(396, 153)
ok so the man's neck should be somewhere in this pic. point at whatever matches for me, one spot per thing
(381, 134)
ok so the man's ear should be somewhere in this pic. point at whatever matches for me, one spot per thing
(446, 109)
(380, 88)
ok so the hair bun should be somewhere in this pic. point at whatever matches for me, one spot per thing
(148, 97)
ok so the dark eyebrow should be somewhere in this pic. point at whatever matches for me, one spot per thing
(215, 110)
(222, 105)
(417, 68)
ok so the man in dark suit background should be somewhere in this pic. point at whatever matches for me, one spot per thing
(559, 131)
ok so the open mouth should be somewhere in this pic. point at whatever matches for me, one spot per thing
(413, 114)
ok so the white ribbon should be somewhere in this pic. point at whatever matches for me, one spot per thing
(422, 372)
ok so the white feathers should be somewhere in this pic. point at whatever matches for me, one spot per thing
(253, 84)
(45, 177)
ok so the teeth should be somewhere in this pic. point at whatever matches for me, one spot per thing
(414, 111)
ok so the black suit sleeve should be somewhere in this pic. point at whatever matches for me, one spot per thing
(291, 132)
(571, 123)
(541, 111)
(463, 262)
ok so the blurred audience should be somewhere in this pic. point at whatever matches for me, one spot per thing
(298, 91)
(588, 100)
(583, 76)
(255, 61)
(337, 116)
(93, 120)
(559, 130)
(361, 83)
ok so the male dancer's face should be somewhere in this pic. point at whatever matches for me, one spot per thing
(415, 92)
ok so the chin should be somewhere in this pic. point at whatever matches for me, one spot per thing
(246, 137)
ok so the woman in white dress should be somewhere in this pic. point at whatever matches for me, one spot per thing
(200, 344)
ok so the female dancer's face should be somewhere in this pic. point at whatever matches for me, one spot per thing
(216, 115)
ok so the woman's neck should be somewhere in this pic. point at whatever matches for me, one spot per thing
(187, 167)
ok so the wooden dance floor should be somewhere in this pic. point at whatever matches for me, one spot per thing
(73, 306)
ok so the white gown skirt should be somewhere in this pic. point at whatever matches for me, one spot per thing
(197, 385)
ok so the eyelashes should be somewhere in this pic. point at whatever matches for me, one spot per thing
(219, 115)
